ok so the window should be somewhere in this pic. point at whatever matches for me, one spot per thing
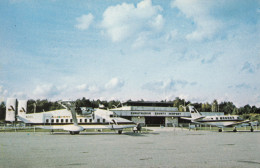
(61, 120)
(90, 120)
(80, 120)
(66, 120)
(86, 120)
(57, 120)
(52, 120)
(71, 120)
(98, 120)
(47, 120)
(216, 118)
(104, 120)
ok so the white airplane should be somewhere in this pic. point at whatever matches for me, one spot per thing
(67, 119)
(220, 121)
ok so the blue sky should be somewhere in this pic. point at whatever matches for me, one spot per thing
(198, 50)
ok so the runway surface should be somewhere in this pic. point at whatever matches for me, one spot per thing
(160, 148)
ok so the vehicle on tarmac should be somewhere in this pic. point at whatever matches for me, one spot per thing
(66, 119)
(220, 121)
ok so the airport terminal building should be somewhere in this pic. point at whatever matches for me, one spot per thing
(154, 113)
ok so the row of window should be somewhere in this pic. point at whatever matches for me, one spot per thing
(71, 121)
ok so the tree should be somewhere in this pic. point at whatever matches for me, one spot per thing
(2, 111)
(227, 107)
(214, 107)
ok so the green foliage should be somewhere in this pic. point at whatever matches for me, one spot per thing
(2, 111)
(226, 107)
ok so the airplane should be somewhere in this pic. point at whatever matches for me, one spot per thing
(67, 119)
(220, 121)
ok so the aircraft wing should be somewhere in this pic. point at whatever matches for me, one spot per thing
(239, 123)
(111, 126)
(192, 119)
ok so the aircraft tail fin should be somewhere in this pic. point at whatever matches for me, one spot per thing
(71, 107)
(194, 113)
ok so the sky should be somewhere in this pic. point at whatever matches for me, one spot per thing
(198, 50)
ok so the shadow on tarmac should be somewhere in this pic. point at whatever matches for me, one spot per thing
(104, 133)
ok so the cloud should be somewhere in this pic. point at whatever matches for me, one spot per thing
(114, 84)
(215, 18)
(166, 85)
(3, 93)
(199, 12)
(209, 60)
(171, 35)
(82, 87)
(125, 20)
(249, 68)
(46, 91)
(84, 21)
(242, 86)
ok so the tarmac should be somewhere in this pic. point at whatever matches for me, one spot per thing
(163, 147)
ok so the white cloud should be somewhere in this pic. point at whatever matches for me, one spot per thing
(199, 12)
(46, 91)
(82, 87)
(84, 21)
(3, 93)
(114, 83)
(124, 21)
(171, 35)
(94, 89)
(165, 85)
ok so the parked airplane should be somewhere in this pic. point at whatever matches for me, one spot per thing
(67, 119)
(219, 121)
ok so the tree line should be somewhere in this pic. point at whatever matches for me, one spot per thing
(181, 104)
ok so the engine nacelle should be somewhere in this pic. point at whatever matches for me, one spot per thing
(10, 109)
(73, 128)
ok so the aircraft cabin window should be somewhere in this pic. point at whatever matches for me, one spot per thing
(57, 120)
(47, 120)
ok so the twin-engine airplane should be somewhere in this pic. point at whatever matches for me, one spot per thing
(220, 121)
(66, 119)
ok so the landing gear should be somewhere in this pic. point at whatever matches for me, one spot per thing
(74, 132)
(235, 129)
(120, 131)
(252, 129)
(220, 130)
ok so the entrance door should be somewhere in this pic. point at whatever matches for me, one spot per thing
(155, 121)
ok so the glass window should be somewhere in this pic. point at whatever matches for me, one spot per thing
(66, 120)
(71, 120)
(90, 120)
(98, 120)
(57, 120)
(80, 120)
(104, 120)
(61, 120)
(52, 120)
(47, 120)
(86, 120)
